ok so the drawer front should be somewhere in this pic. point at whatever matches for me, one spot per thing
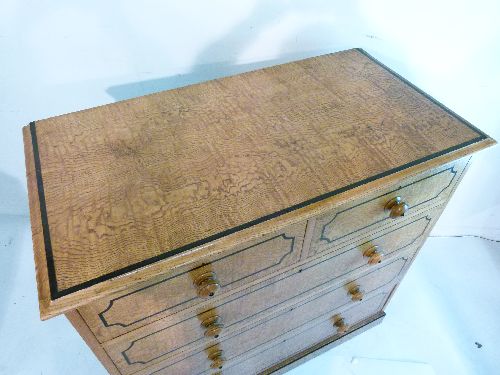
(385, 241)
(300, 339)
(235, 312)
(316, 315)
(356, 218)
(131, 355)
(242, 266)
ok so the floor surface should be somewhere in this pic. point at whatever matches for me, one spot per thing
(444, 318)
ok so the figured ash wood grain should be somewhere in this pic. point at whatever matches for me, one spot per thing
(133, 180)
(355, 218)
(315, 315)
(243, 267)
(297, 348)
(159, 340)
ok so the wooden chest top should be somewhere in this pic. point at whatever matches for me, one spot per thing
(121, 187)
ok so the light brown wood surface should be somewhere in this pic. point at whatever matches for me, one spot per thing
(419, 192)
(401, 235)
(241, 268)
(306, 315)
(319, 347)
(257, 359)
(129, 184)
(308, 339)
(315, 333)
(163, 339)
(109, 319)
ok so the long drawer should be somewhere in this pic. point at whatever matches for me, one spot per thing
(362, 215)
(176, 334)
(319, 311)
(248, 263)
(132, 353)
(301, 339)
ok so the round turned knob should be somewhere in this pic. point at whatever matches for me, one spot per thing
(339, 322)
(396, 207)
(206, 284)
(355, 292)
(217, 359)
(213, 326)
(373, 254)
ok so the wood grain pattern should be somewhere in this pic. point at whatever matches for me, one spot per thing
(367, 283)
(320, 347)
(132, 311)
(309, 339)
(42, 277)
(162, 339)
(132, 181)
(358, 217)
(317, 312)
(294, 345)
(241, 268)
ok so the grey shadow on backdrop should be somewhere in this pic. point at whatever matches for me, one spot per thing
(227, 49)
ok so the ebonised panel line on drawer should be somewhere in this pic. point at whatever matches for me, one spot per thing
(329, 240)
(396, 228)
(277, 337)
(111, 302)
(129, 362)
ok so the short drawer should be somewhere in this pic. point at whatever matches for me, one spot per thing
(383, 241)
(144, 347)
(363, 215)
(318, 314)
(240, 267)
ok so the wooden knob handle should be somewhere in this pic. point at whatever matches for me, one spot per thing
(213, 326)
(373, 254)
(217, 359)
(339, 322)
(396, 207)
(207, 284)
(356, 293)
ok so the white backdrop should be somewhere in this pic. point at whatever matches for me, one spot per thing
(58, 57)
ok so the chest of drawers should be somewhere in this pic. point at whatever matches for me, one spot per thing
(242, 224)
